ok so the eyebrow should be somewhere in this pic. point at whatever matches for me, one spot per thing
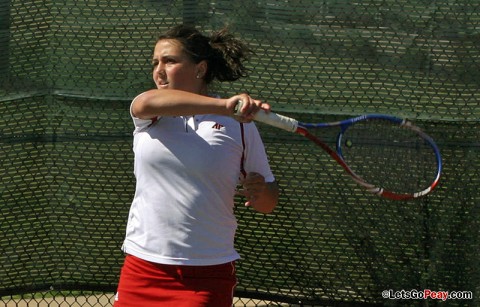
(166, 56)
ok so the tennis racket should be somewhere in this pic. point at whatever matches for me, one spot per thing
(387, 155)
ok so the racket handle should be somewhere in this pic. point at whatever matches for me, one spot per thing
(272, 119)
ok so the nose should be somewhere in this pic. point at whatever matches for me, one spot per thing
(158, 68)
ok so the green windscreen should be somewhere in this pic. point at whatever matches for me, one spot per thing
(69, 70)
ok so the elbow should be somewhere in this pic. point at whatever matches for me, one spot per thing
(271, 207)
(270, 200)
(142, 106)
(275, 194)
(265, 206)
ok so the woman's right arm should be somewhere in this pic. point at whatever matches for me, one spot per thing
(167, 102)
(176, 103)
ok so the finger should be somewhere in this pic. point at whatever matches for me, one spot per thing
(243, 112)
(266, 107)
(250, 198)
(249, 105)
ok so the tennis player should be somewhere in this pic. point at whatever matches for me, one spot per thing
(190, 155)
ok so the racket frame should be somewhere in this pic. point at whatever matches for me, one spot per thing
(292, 125)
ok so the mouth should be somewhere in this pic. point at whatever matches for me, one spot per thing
(162, 83)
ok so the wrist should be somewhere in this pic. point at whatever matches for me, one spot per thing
(225, 108)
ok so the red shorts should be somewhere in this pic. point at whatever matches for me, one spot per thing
(144, 283)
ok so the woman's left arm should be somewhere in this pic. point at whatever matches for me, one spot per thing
(261, 195)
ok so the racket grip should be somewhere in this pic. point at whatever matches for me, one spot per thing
(272, 119)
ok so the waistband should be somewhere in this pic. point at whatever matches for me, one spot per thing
(217, 270)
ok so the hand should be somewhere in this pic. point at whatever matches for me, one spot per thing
(249, 107)
(253, 187)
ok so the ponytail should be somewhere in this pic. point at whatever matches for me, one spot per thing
(230, 54)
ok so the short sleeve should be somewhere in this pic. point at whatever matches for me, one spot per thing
(139, 123)
(256, 159)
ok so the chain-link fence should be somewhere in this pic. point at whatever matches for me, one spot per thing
(69, 69)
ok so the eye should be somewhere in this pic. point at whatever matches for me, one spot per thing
(154, 63)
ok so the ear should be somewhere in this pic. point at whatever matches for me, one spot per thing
(202, 67)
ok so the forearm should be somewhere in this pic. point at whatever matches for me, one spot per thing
(176, 103)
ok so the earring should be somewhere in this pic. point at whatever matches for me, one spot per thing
(198, 76)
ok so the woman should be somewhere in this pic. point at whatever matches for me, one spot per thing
(190, 154)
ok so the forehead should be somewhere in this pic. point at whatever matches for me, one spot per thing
(168, 47)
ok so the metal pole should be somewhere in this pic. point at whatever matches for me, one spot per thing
(4, 38)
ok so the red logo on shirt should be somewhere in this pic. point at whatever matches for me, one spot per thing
(217, 126)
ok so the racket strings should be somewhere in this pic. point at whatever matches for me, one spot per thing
(388, 156)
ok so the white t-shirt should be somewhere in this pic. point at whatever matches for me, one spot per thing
(187, 169)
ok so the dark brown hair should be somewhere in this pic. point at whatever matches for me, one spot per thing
(223, 52)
